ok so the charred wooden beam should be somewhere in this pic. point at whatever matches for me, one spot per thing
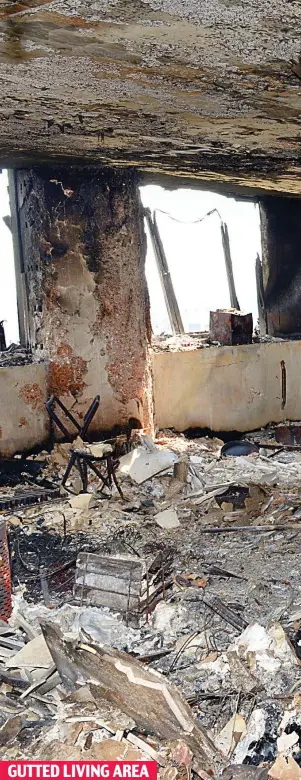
(145, 695)
(229, 266)
(164, 274)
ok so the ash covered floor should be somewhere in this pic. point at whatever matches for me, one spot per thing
(223, 631)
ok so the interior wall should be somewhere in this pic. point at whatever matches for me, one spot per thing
(221, 388)
(227, 388)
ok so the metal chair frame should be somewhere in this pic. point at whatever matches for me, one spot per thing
(81, 459)
(80, 429)
(84, 461)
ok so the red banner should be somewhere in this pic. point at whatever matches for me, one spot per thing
(78, 770)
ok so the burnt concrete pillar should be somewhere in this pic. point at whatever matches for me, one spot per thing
(281, 259)
(83, 251)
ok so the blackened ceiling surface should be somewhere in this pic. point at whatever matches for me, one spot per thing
(194, 88)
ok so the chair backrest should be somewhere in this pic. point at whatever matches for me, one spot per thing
(54, 402)
(89, 415)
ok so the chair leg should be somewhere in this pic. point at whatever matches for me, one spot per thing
(83, 471)
(113, 475)
(69, 468)
(99, 475)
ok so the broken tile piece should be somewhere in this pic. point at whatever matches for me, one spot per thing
(167, 519)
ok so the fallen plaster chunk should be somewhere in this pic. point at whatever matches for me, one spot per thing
(167, 519)
(82, 501)
(99, 450)
(286, 741)
(269, 655)
(285, 769)
(150, 699)
(113, 750)
(141, 464)
(231, 734)
(34, 655)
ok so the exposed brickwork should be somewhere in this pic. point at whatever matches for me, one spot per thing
(66, 373)
(32, 395)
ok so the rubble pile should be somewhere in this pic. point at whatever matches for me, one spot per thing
(161, 623)
(201, 340)
(17, 355)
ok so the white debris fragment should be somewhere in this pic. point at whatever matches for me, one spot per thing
(255, 731)
(100, 449)
(231, 734)
(167, 519)
(82, 501)
(141, 464)
(286, 741)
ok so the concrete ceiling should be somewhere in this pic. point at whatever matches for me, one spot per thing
(204, 89)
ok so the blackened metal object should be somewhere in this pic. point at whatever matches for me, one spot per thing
(237, 448)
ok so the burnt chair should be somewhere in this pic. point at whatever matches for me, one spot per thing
(80, 457)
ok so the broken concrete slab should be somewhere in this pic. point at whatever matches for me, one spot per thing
(144, 694)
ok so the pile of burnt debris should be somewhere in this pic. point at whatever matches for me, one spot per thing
(228, 327)
(16, 355)
(151, 607)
